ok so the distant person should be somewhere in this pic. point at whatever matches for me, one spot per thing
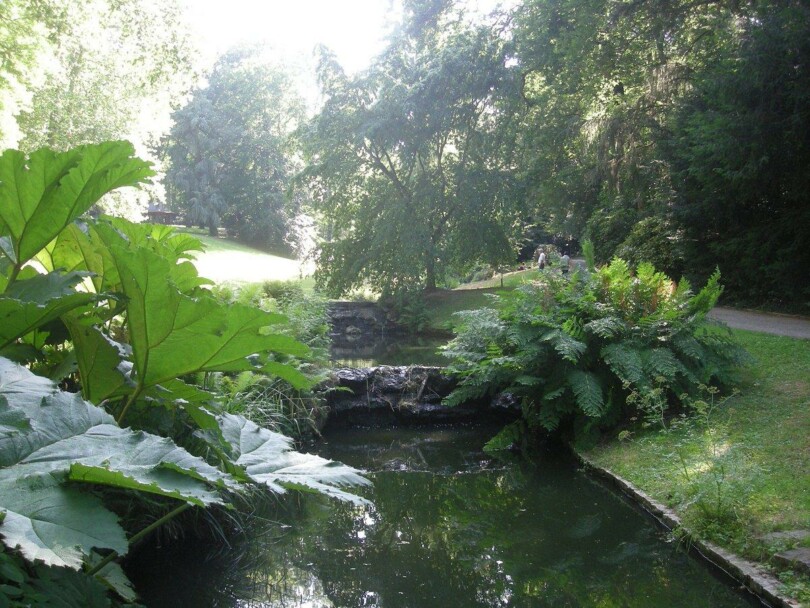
(541, 260)
(565, 262)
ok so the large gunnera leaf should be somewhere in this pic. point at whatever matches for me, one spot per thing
(173, 334)
(268, 458)
(49, 437)
(41, 194)
(31, 303)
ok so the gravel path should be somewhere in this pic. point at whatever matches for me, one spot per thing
(782, 325)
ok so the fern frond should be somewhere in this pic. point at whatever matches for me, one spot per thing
(507, 437)
(567, 347)
(704, 300)
(607, 327)
(688, 346)
(662, 362)
(547, 417)
(625, 361)
(554, 393)
(587, 391)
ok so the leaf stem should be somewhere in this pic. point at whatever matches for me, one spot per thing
(129, 402)
(139, 536)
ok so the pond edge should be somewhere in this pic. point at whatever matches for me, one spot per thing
(748, 574)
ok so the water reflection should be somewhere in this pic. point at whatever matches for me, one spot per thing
(387, 350)
(451, 528)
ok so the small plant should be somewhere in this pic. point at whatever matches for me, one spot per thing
(589, 254)
(409, 309)
(713, 494)
(651, 402)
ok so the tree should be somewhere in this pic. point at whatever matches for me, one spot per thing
(86, 71)
(602, 81)
(411, 163)
(740, 148)
(228, 149)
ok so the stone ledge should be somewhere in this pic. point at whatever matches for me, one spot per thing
(748, 574)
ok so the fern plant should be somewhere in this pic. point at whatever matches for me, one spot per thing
(573, 349)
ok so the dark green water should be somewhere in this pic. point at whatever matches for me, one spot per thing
(402, 350)
(450, 528)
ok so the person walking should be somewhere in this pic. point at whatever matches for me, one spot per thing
(565, 262)
(541, 260)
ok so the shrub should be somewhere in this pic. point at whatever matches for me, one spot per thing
(654, 241)
(407, 307)
(607, 228)
(573, 350)
(283, 291)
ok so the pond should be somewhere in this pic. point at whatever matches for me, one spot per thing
(450, 527)
(388, 350)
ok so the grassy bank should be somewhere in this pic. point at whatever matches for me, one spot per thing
(740, 472)
(441, 304)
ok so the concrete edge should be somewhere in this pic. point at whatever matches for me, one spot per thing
(748, 574)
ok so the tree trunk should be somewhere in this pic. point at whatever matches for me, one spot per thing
(430, 279)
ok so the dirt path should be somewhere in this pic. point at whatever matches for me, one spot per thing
(782, 325)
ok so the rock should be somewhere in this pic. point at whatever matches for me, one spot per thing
(390, 395)
(789, 536)
(797, 559)
(356, 319)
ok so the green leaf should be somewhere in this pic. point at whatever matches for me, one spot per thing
(61, 588)
(112, 576)
(624, 361)
(31, 303)
(52, 523)
(173, 334)
(569, 348)
(509, 436)
(607, 327)
(66, 438)
(525, 380)
(662, 362)
(103, 368)
(286, 372)
(42, 194)
(268, 459)
(587, 391)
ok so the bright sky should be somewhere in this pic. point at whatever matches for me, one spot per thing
(354, 29)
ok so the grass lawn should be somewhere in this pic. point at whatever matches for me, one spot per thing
(746, 472)
(227, 261)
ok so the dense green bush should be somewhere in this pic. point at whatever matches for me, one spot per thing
(283, 291)
(608, 227)
(407, 308)
(653, 240)
(573, 349)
